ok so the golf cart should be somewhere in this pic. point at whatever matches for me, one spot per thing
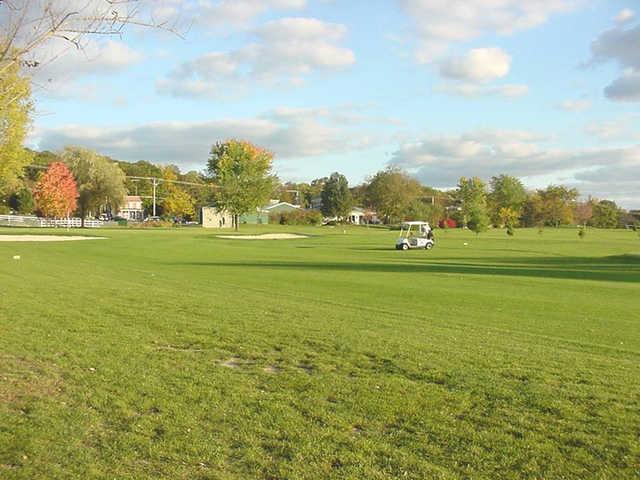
(415, 235)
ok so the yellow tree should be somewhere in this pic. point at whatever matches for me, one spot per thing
(179, 204)
(15, 110)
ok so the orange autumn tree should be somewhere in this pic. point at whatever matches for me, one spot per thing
(56, 193)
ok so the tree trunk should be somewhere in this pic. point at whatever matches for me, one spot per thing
(81, 217)
(236, 221)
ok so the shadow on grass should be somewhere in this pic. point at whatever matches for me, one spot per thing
(623, 268)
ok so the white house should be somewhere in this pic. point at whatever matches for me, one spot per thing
(132, 209)
(214, 218)
(356, 216)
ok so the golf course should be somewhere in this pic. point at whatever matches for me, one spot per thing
(173, 353)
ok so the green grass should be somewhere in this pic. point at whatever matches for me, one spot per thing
(175, 354)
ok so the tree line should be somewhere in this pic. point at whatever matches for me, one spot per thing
(503, 202)
(238, 178)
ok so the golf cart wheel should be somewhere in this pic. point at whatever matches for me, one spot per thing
(428, 246)
(405, 246)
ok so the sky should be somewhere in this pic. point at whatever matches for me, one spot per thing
(547, 90)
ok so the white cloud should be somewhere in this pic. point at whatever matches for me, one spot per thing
(441, 161)
(289, 133)
(472, 90)
(440, 23)
(468, 74)
(625, 128)
(477, 65)
(62, 66)
(221, 15)
(285, 51)
(579, 105)
(625, 15)
(240, 13)
(59, 58)
(621, 45)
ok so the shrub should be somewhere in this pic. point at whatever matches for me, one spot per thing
(581, 232)
(448, 223)
(151, 224)
(22, 201)
(298, 217)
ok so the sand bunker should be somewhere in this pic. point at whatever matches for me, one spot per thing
(265, 236)
(45, 238)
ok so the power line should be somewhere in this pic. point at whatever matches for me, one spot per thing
(158, 179)
(155, 181)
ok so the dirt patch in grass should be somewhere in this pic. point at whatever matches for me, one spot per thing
(273, 369)
(307, 367)
(21, 378)
(265, 236)
(181, 348)
(46, 238)
(233, 362)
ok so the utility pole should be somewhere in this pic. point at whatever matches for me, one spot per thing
(297, 192)
(155, 182)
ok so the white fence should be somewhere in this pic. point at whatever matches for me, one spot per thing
(31, 221)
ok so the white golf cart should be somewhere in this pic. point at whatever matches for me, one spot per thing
(415, 235)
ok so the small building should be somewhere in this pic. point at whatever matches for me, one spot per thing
(258, 218)
(356, 216)
(214, 218)
(132, 209)
(280, 207)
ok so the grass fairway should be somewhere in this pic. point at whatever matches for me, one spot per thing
(175, 354)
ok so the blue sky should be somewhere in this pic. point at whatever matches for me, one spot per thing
(547, 90)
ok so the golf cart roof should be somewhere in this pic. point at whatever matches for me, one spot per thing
(415, 223)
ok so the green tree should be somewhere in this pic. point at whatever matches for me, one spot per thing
(101, 182)
(22, 201)
(606, 214)
(359, 194)
(140, 186)
(312, 190)
(15, 112)
(472, 196)
(478, 219)
(507, 192)
(392, 192)
(556, 205)
(424, 211)
(242, 173)
(336, 197)
(532, 211)
(508, 217)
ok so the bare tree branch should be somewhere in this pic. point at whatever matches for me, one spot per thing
(26, 25)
